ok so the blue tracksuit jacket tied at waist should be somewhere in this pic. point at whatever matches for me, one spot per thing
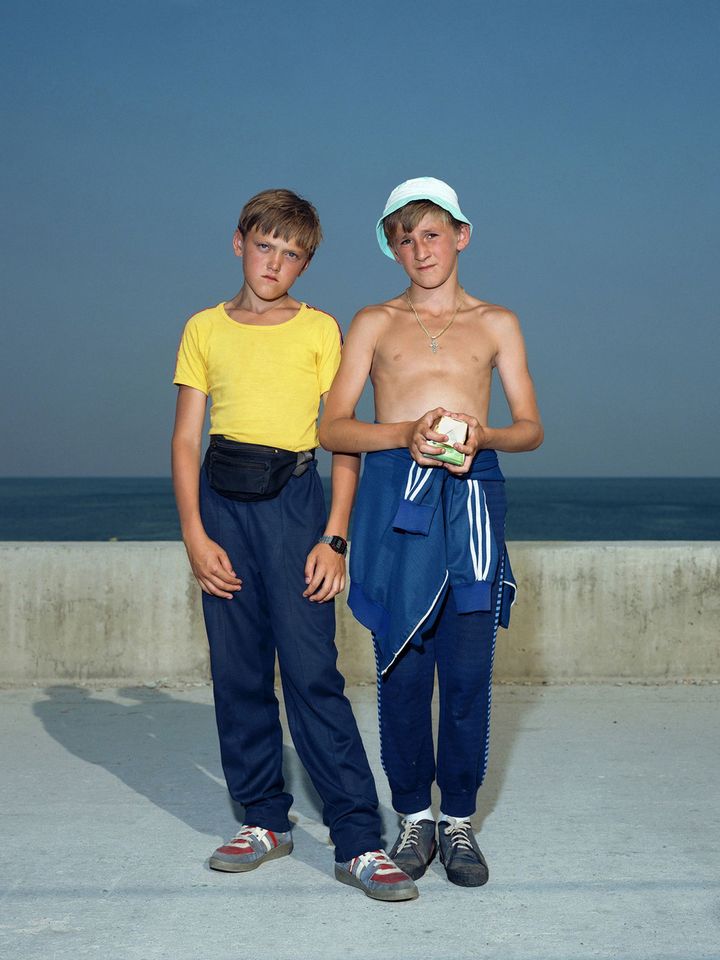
(416, 530)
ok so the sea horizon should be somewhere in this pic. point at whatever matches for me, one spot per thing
(101, 508)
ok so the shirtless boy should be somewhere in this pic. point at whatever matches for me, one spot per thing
(430, 574)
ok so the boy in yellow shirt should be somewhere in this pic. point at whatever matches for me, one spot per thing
(268, 561)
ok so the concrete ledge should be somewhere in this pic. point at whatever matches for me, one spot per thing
(72, 612)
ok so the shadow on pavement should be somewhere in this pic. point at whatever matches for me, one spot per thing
(165, 749)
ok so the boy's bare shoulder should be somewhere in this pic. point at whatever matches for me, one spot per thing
(379, 312)
(374, 318)
(496, 319)
(491, 313)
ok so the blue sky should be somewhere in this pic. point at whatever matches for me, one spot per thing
(581, 135)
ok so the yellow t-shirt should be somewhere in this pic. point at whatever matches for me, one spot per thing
(265, 382)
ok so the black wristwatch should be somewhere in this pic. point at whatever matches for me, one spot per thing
(338, 544)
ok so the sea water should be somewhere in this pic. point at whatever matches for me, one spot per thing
(538, 509)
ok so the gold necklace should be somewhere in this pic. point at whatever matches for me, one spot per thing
(433, 339)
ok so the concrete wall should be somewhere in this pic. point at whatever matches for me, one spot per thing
(586, 611)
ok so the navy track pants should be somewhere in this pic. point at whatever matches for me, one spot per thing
(268, 542)
(461, 646)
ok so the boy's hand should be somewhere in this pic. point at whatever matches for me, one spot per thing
(212, 568)
(324, 574)
(422, 431)
(476, 440)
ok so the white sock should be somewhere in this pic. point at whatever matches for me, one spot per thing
(426, 814)
(453, 820)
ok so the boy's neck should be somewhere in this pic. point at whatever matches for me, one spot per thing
(436, 299)
(249, 301)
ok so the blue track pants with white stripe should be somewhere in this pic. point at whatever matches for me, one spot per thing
(461, 646)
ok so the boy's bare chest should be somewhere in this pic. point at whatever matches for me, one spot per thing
(405, 351)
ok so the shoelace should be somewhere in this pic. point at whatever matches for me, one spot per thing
(410, 834)
(248, 833)
(459, 833)
(378, 858)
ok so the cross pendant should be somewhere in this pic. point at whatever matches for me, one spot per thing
(434, 345)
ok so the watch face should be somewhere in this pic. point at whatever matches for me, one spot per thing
(335, 543)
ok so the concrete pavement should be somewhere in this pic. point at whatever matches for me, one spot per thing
(599, 819)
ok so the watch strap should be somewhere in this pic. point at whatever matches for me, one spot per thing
(336, 543)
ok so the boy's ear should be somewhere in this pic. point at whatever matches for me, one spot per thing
(463, 236)
(238, 243)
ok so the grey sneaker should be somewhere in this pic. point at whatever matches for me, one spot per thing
(377, 876)
(415, 848)
(251, 847)
(460, 854)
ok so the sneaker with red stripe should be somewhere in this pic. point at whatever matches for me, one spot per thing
(377, 876)
(251, 847)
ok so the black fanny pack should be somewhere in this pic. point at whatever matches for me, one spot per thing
(250, 471)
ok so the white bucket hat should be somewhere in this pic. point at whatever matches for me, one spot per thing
(421, 188)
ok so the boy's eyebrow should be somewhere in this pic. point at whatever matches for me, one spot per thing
(430, 228)
(295, 247)
(274, 238)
